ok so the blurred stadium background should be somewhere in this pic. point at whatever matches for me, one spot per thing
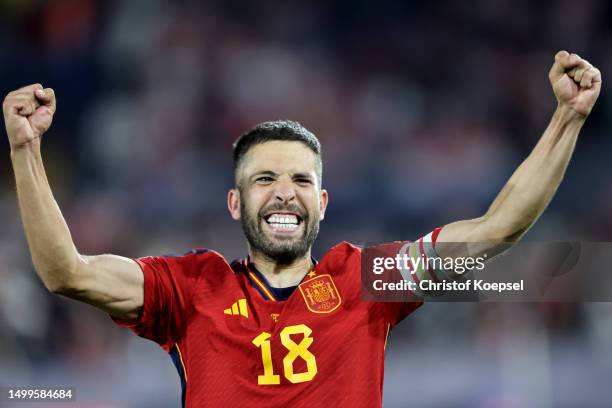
(423, 108)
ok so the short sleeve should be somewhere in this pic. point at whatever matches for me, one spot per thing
(168, 282)
(395, 312)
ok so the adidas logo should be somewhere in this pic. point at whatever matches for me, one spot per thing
(238, 308)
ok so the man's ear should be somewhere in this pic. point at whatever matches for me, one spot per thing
(233, 203)
(323, 203)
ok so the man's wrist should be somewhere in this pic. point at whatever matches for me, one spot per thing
(31, 147)
(567, 114)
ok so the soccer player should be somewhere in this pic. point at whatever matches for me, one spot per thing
(276, 328)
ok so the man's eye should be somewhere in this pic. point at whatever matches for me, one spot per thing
(264, 179)
(303, 181)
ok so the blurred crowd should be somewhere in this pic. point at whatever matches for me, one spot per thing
(423, 110)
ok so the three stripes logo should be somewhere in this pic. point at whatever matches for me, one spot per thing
(238, 308)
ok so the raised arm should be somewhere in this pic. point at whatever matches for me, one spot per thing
(576, 85)
(109, 282)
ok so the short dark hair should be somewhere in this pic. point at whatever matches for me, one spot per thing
(284, 130)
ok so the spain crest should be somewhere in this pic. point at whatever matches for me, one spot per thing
(320, 294)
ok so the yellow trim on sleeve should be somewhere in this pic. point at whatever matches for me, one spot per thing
(387, 335)
(182, 362)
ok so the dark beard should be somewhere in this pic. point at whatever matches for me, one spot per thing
(283, 253)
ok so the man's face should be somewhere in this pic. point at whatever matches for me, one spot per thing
(279, 201)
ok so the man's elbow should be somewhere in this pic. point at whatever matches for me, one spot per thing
(59, 279)
(60, 286)
(504, 230)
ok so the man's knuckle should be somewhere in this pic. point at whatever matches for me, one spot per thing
(10, 100)
(28, 88)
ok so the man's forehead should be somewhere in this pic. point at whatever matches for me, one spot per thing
(276, 155)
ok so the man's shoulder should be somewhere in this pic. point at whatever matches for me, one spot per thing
(341, 256)
(193, 262)
(345, 247)
(195, 254)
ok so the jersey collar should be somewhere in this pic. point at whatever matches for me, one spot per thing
(259, 281)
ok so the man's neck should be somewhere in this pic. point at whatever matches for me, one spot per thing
(285, 275)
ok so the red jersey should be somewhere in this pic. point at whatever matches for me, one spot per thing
(236, 345)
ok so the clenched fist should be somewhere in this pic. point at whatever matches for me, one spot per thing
(575, 82)
(28, 113)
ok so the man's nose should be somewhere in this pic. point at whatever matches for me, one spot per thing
(284, 191)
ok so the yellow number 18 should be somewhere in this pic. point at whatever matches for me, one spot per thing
(295, 350)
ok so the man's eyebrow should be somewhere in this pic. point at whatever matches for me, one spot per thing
(264, 173)
(270, 173)
(302, 175)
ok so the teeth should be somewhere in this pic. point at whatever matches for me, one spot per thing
(285, 227)
(283, 219)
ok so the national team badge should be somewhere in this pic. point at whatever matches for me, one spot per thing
(320, 294)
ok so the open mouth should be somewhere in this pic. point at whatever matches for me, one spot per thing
(283, 222)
